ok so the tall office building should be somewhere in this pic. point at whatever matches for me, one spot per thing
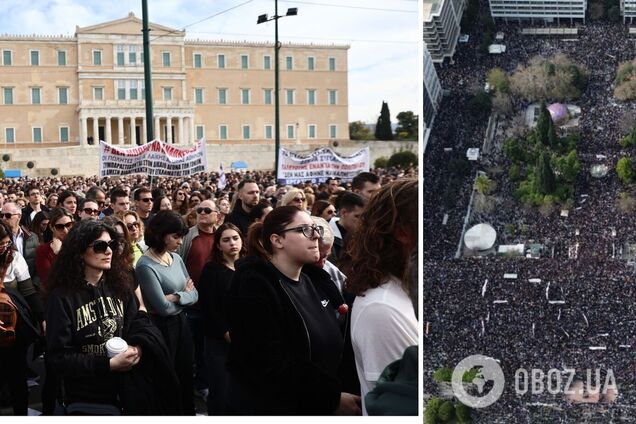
(432, 93)
(442, 20)
(541, 10)
(628, 10)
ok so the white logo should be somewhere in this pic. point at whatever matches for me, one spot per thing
(488, 370)
(324, 303)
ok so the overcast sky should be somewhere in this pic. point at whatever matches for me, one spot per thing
(383, 35)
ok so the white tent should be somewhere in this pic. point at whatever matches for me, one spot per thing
(480, 237)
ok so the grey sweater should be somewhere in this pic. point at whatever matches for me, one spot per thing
(157, 281)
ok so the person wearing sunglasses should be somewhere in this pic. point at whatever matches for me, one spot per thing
(60, 223)
(17, 282)
(294, 197)
(135, 227)
(88, 209)
(88, 302)
(323, 209)
(285, 316)
(180, 201)
(143, 204)
(24, 241)
(167, 289)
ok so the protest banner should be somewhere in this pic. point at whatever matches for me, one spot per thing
(320, 165)
(155, 159)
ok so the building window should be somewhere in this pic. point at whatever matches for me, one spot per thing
(8, 95)
(332, 63)
(311, 131)
(267, 96)
(220, 60)
(289, 95)
(167, 93)
(269, 130)
(197, 60)
(121, 90)
(332, 131)
(98, 93)
(246, 132)
(37, 135)
(245, 96)
(64, 134)
(200, 131)
(9, 135)
(290, 131)
(245, 62)
(62, 95)
(142, 84)
(311, 97)
(222, 96)
(267, 62)
(223, 132)
(120, 55)
(61, 57)
(132, 55)
(133, 90)
(311, 63)
(35, 96)
(198, 96)
(7, 58)
(289, 63)
(35, 58)
(97, 57)
(166, 59)
(332, 97)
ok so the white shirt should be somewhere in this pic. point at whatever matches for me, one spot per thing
(18, 269)
(18, 241)
(383, 325)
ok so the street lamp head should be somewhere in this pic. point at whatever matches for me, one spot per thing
(292, 11)
(261, 19)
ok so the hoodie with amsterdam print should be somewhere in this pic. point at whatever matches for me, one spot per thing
(79, 322)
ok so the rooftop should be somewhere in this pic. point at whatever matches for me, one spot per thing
(431, 7)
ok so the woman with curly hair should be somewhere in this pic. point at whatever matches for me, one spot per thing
(89, 300)
(180, 201)
(383, 322)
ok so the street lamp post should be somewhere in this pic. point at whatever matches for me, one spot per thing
(293, 11)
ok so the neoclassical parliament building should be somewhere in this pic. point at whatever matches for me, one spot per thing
(75, 90)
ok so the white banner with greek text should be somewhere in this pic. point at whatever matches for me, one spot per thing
(320, 165)
(155, 158)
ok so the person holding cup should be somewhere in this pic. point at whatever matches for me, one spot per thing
(89, 301)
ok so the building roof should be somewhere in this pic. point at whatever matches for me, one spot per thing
(431, 7)
(480, 237)
(130, 25)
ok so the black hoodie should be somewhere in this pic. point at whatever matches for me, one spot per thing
(78, 325)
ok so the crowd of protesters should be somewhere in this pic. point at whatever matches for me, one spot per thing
(231, 288)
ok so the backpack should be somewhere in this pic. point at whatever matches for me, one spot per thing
(8, 319)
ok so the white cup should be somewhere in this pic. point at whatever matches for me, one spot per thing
(116, 345)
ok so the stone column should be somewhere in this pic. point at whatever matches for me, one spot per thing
(193, 133)
(95, 131)
(169, 129)
(109, 132)
(144, 132)
(120, 130)
(83, 131)
(133, 136)
(157, 128)
(181, 132)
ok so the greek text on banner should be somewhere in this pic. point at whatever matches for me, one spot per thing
(320, 165)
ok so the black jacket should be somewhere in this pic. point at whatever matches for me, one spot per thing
(239, 217)
(26, 215)
(151, 387)
(269, 361)
(213, 288)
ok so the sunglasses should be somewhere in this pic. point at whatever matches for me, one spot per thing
(330, 212)
(100, 246)
(147, 199)
(9, 215)
(132, 225)
(307, 230)
(68, 226)
(299, 199)
(206, 211)
(90, 211)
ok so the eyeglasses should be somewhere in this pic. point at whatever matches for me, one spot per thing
(146, 199)
(5, 245)
(132, 225)
(9, 215)
(299, 199)
(307, 230)
(100, 246)
(90, 211)
(180, 194)
(207, 211)
(68, 226)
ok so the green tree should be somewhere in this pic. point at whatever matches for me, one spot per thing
(446, 412)
(381, 162)
(484, 185)
(443, 374)
(359, 131)
(625, 170)
(568, 166)
(480, 104)
(432, 408)
(543, 125)
(546, 183)
(407, 123)
(462, 412)
(498, 80)
(630, 139)
(404, 159)
(512, 149)
(383, 127)
(553, 139)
